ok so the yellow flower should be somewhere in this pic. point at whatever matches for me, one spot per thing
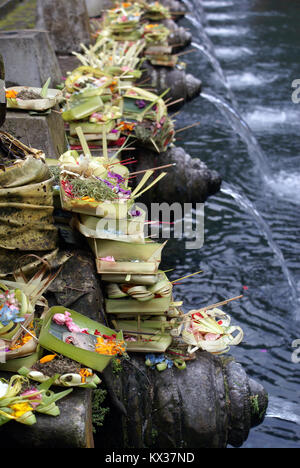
(20, 408)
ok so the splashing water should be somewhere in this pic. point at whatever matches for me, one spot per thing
(282, 409)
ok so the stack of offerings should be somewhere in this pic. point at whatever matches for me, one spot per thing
(112, 105)
(123, 22)
(26, 203)
(145, 118)
(157, 49)
(141, 305)
(93, 104)
(104, 212)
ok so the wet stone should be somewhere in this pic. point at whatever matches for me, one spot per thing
(190, 181)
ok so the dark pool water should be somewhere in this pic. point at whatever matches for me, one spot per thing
(257, 43)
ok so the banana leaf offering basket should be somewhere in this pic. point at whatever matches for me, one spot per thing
(130, 229)
(139, 299)
(144, 336)
(113, 257)
(58, 338)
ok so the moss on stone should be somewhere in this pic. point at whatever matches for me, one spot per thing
(22, 17)
(254, 404)
(98, 412)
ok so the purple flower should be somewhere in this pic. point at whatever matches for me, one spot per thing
(135, 213)
(118, 177)
(114, 130)
(140, 104)
(109, 184)
(125, 192)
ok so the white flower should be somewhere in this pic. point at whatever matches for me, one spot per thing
(3, 389)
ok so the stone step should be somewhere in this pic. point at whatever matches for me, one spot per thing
(6, 6)
(60, 431)
(66, 21)
(44, 132)
(29, 58)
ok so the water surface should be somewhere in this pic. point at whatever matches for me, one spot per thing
(257, 44)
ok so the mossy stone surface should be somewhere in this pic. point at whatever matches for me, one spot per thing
(23, 16)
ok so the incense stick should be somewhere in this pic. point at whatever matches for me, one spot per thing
(213, 306)
(188, 276)
(120, 162)
(174, 102)
(186, 52)
(186, 128)
(153, 169)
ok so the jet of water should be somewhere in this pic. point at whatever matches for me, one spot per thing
(249, 207)
(239, 125)
(210, 54)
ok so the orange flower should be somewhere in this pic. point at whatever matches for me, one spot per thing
(11, 94)
(84, 374)
(20, 408)
(150, 26)
(47, 358)
(109, 347)
(24, 338)
(126, 5)
(127, 126)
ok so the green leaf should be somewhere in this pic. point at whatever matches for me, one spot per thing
(44, 91)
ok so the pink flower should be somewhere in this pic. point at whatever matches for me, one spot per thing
(108, 259)
(32, 392)
(60, 319)
(66, 319)
(211, 337)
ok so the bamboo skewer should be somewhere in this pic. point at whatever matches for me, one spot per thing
(213, 306)
(186, 52)
(174, 102)
(187, 127)
(153, 169)
(188, 276)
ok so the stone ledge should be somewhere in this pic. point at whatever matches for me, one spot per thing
(28, 57)
(61, 431)
(44, 132)
(6, 6)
